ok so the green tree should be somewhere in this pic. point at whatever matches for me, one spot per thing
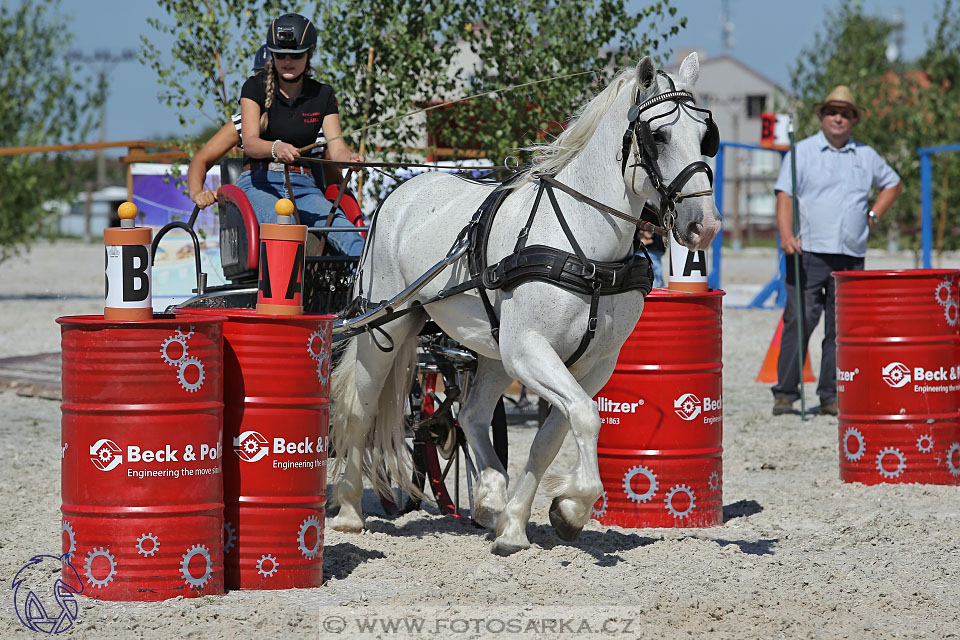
(413, 45)
(43, 104)
(910, 104)
(214, 44)
(548, 39)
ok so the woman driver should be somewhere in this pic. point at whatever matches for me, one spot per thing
(285, 109)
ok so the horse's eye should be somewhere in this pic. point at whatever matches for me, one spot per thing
(659, 138)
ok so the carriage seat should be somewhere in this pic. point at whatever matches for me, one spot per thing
(239, 235)
(240, 229)
(230, 170)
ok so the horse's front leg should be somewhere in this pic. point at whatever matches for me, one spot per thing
(474, 418)
(512, 524)
(577, 491)
(531, 357)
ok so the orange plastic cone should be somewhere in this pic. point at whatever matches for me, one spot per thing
(768, 370)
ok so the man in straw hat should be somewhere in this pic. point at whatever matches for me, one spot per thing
(835, 176)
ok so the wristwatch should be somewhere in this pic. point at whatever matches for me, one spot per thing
(873, 217)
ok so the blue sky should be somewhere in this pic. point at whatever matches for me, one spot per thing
(769, 35)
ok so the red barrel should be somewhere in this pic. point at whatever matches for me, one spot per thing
(660, 443)
(898, 376)
(141, 475)
(276, 420)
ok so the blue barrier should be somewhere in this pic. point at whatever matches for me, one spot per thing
(926, 197)
(776, 284)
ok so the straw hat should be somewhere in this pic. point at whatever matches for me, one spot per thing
(841, 96)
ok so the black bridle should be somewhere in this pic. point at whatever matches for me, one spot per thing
(639, 139)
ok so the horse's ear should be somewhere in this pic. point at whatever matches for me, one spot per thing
(646, 76)
(690, 69)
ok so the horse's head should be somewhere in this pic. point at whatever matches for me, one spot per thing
(665, 140)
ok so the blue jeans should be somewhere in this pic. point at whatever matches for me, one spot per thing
(264, 188)
(656, 261)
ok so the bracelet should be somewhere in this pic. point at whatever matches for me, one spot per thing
(273, 149)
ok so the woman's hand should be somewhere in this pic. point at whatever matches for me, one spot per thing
(286, 152)
(355, 157)
(204, 199)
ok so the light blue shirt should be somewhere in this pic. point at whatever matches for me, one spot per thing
(833, 187)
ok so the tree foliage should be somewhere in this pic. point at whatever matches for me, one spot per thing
(214, 44)
(43, 104)
(548, 39)
(911, 104)
(419, 48)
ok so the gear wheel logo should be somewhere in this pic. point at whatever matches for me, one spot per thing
(925, 443)
(714, 481)
(229, 536)
(323, 371)
(901, 462)
(267, 565)
(896, 374)
(952, 313)
(185, 371)
(88, 568)
(668, 501)
(180, 350)
(70, 542)
(193, 552)
(943, 292)
(147, 544)
(317, 344)
(954, 453)
(640, 470)
(310, 552)
(105, 454)
(250, 446)
(186, 336)
(599, 511)
(850, 435)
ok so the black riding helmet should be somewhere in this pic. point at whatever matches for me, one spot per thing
(291, 33)
(261, 59)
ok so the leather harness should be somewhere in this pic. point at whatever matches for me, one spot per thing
(570, 271)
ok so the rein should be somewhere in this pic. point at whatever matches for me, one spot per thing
(576, 195)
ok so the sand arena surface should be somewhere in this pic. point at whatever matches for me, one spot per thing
(800, 554)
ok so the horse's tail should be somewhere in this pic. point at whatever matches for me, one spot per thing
(386, 458)
(345, 402)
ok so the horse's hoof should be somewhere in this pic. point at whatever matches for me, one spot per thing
(491, 498)
(503, 547)
(565, 529)
(346, 524)
(486, 518)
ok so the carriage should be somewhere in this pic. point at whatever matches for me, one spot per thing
(440, 454)
(481, 284)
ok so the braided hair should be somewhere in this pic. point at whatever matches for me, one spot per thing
(271, 72)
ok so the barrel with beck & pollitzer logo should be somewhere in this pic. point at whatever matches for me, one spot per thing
(141, 474)
(898, 376)
(660, 444)
(275, 439)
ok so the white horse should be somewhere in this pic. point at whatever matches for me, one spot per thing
(541, 325)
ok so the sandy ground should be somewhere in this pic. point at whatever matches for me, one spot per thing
(800, 553)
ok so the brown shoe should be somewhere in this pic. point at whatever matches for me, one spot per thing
(782, 406)
(829, 408)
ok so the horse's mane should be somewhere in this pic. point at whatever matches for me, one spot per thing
(550, 158)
